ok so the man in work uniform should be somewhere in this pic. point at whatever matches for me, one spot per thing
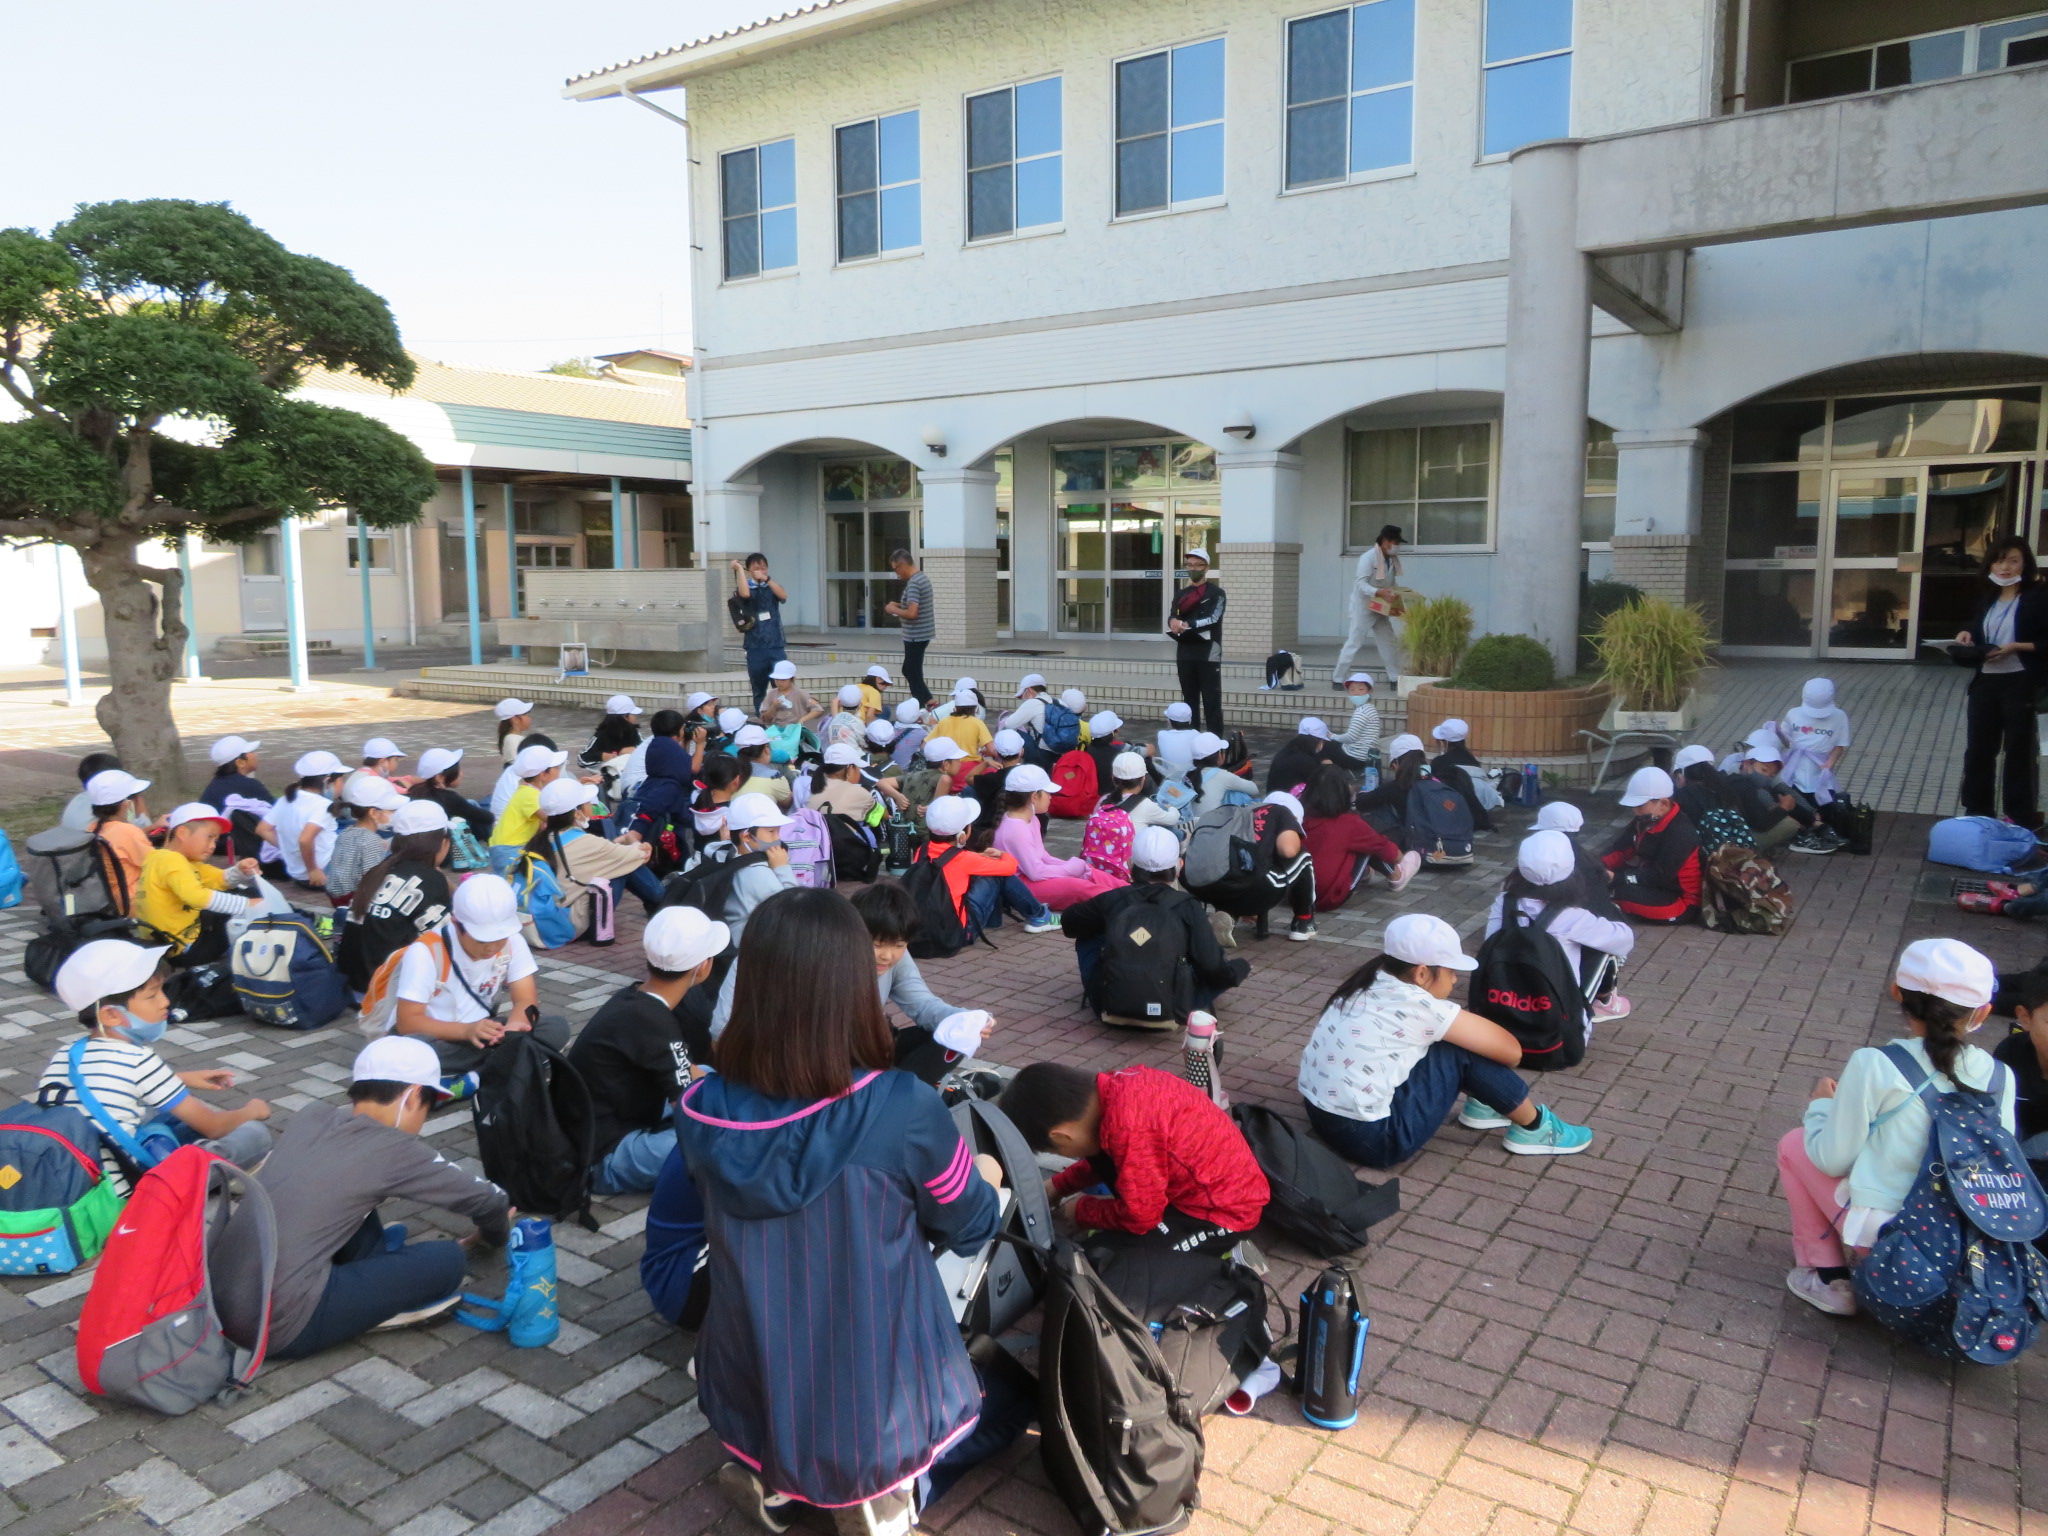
(1379, 573)
(1197, 629)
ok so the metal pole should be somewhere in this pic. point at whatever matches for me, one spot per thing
(476, 634)
(512, 564)
(363, 571)
(189, 606)
(67, 636)
(294, 605)
(618, 527)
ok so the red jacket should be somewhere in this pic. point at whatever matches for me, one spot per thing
(1335, 844)
(1659, 868)
(964, 867)
(1171, 1146)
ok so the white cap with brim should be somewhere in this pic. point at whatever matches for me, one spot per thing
(748, 737)
(783, 671)
(950, 815)
(1819, 693)
(1689, 757)
(507, 708)
(966, 685)
(1155, 849)
(881, 675)
(1197, 553)
(368, 792)
(1179, 714)
(1359, 677)
(943, 749)
(1286, 802)
(682, 938)
(1949, 969)
(1450, 730)
(1030, 680)
(1206, 744)
(104, 968)
(1546, 857)
(850, 696)
(697, 701)
(486, 908)
(536, 760)
(621, 704)
(418, 816)
(1647, 784)
(1106, 722)
(399, 1059)
(228, 748)
(881, 732)
(377, 748)
(113, 785)
(966, 698)
(1402, 745)
(1764, 746)
(730, 720)
(753, 813)
(1127, 767)
(197, 810)
(843, 754)
(566, 795)
(436, 761)
(1008, 743)
(1028, 779)
(1560, 816)
(318, 765)
(1311, 726)
(1419, 939)
(908, 711)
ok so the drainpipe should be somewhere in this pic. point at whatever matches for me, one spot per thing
(189, 605)
(476, 634)
(512, 565)
(369, 615)
(294, 606)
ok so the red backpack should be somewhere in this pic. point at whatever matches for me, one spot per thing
(1075, 795)
(155, 1330)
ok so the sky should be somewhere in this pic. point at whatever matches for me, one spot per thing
(422, 144)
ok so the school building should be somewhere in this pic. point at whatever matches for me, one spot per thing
(1738, 300)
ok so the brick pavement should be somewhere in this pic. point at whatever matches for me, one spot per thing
(1601, 1344)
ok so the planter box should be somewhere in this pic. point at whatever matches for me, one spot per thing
(1620, 717)
(1513, 727)
(1408, 685)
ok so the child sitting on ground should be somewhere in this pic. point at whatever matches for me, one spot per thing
(361, 845)
(301, 821)
(401, 898)
(1362, 731)
(938, 1035)
(963, 726)
(1546, 878)
(1295, 764)
(848, 721)
(536, 768)
(983, 884)
(582, 860)
(1656, 861)
(1163, 969)
(116, 798)
(183, 895)
(1059, 883)
(78, 815)
(1343, 847)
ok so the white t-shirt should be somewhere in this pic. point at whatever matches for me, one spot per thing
(2001, 627)
(502, 792)
(290, 818)
(1027, 716)
(1810, 735)
(420, 979)
(131, 1082)
(634, 774)
(1363, 1048)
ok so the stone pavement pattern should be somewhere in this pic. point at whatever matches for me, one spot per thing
(1599, 1344)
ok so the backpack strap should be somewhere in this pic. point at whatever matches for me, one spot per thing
(109, 1127)
(1909, 1069)
(454, 970)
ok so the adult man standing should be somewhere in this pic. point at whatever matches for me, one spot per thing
(764, 598)
(1197, 629)
(914, 611)
(1379, 572)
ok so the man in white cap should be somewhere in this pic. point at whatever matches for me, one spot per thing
(1655, 862)
(1197, 630)
(848, 721)
(117, 990)
(301, 820)
(637, 1055)
(535, 768)
(234, 788)
(917, 612)
(1376, 580)
(452, 983)
(340, 1271)
(116, 799)
(1174, 753)
(785, 703)
(1153, 969)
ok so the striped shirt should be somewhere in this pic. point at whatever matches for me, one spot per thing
(131, 1081)
(918, 590)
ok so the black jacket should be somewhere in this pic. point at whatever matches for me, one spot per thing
(1297, 762)
(2030, 626)
(1186, 925)
(1201, 609)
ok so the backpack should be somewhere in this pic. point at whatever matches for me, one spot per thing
(785, 742)
(1856, 823)
(74, 875)
(543, 902)
(1316, 1201)
(743, 617)
(855, 854)
(1974, 842)
(202, 992)
(809, 841)
(56, 1203)
(1206, 1311)
(1225, 845)
(285, 974)
(46, 953)
(1525, 984)
(1141, 965)
(1106, 841)
(1439, 823)
(1177, 796)
(1121, 1442)
(179, 1310)
(465, 854)
(1074, 794)
(1015, 1278)
(1723, 828)
(536, 1133)
(1742, 892)
(1062, 730)
(941, 932)
(1956, 1271)
(1283, 671)
(10, 874)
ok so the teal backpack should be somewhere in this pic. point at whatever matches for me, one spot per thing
(542, 899)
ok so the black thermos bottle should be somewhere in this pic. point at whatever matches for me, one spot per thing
(1332, 1350)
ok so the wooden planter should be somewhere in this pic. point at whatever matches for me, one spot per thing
(1512, 726)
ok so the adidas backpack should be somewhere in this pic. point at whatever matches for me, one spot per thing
(1440, 821)
(1524, 982)
(285, 974)
(56, 1203)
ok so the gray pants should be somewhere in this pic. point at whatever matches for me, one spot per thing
(1778, 835)
(1365, 624)
(245, 1146)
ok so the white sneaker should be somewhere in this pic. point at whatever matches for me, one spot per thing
(1404, 871)
(1837, 1298)
(1475, 1116)
(424, 1314)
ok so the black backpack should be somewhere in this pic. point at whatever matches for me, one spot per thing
(48, 950)
(854, 853)
(1525, 984)
(1015, 1279)
(941, 931)
(74, 876)
(1317, 1201)
(707, 887)
(1208, 1313)
(535, 1130)
(1120, 1439)
(1143, 959)
(1439, 823)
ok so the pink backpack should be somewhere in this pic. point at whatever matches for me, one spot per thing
(1106, 842)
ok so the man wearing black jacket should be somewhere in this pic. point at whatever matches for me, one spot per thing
(1119, 961)
(1197, 629)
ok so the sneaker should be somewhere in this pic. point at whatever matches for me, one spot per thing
(1980, 901)
(1548, 1137)
(746, 1493)
(394, 1236)
(1614, 1007)
(1404, 871)
(425, 1314)
(460, 1086)
(1302, 929)
(886, 1514)
(1837, 1298)
(1050, 923)
(1816, 840)
(1475, 1116)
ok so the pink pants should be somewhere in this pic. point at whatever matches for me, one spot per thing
(1063, 891)
(1816, 1215)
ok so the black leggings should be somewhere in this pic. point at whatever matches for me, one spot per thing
(1251, 896)
(2000, 716)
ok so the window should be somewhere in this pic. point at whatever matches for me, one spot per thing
(871, 511)
(1006, 502)
(757, 198)
(380, 544)
(1169, 129)
(1125, 516)
(1434, 483)
(1603, 464)
(1912, 60)
(1350, 92)
(1013, 160)
(1528, 73)
(879, 203)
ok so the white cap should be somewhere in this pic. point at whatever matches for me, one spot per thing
(1450, 730)
(103, 968)
(1206, 744)
(881, 732)
(950, 815)
(1074, 699)
(1819, 693)
(1764, 746)
(436, 761)
(850, 696)
(1402, 745)
(1127, 766)
(1028, 779)
(943, 749)
(966, 685)
(783, 671)
(1179, 713)
(228, 748)
(1359, 677)
(1559, 816)
(378, 748)
(682, 938)
(844, 754)
(750, 736)
(908, 711)
(399, 1059)
(507, 708)
(881, 675)
(730, 720)
(565, 795)
(621, 704)
(1948, 968)
(1311, 726)
(371, 793)
(1647, 784)
(315, 765)
(486, 907)
(1155, 848)
(418, 816)
(533, 760)
(1689, 756)
(1286, 802)
(1420, 939)
(752, 813)
(113, 785)
(1008, 743)
(1197, 553)
(697, 701)
(197, 810)
(1105, 722)
(1031, 680)
(965, 698)
(1546, 857)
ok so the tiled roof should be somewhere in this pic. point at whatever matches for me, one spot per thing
(658, 402)
(715, 37)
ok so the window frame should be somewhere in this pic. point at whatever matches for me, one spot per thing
(968, 168)
(1973, 63)
(760, 273)
(389, 535)
(881, 253)
(1488, 66)
(1192, 205)
(1351, 178)
(1492, 540)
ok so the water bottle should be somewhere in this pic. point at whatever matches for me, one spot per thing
(1332, 1348)
(1372, 777)
(1199, 1058)
(1532, 785)
(530, 1285)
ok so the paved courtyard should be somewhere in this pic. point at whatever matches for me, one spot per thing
(1599, 1344)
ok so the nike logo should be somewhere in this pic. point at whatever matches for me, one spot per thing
(124, 1231)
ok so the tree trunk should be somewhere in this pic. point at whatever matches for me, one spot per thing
(145, 638)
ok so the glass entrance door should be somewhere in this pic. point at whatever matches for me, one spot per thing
(859, 538)
(1969, 507)
(1873, 557)
(1118, 549)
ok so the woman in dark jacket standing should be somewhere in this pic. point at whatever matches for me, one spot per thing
(2010, 627)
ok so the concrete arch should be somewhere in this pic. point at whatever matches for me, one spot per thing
(821, 444)
(1904, 373)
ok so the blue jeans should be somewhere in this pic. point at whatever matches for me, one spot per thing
(760, 662)
(989, 895)
(642, 883)
(1421, 1105)
(369, 1283)
(504, 856)
(635, 1163)
(1088, 954)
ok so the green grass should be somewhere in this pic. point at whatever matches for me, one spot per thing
(26, 817)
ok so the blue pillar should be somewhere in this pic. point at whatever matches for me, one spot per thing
(618, 527)
(512, 565)
(189, 606)
(363, 571)
(67, 633)
(294, 603)
(476, 633)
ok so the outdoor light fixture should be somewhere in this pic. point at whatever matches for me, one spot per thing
(935, 440)
(1240, 426)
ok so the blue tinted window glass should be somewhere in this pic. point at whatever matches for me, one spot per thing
(1315, 143)
(1038, 192)
(1937, 58)
(1527, 102)
(739, 174)
(778, 173)
(1518, 28)
(899, 148)
(902, 224)
(1315, 57)
(778, 239)
(1038, 118)
(1381, 129)
(990, 207)
(1141, 96)
(1198, 163)
(1382, 44)
(857, 157)
(988, 130)
(1198, 82)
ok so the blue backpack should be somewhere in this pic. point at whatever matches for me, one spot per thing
(541, 898)
(1440, 823)
(285, 974)
(1062, 731)
(1956, 1271)
(1979, 842)
(10, 874)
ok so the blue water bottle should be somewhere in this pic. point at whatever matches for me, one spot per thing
(1332, 1349)
(526, 1314)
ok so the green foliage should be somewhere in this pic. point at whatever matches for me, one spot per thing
(51, 475)
(1597, 599)
(141, 365)
(31, 270)
(1506, 664)
(1438, 630)
(1651, 651)
(574, 368)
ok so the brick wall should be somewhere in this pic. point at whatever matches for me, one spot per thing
(1662, 564)
(964, 596)
(1264, 584)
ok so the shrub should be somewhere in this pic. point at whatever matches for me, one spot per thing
(1651, 651)
(1597, 599)
(1438, 630)
(1506, 664)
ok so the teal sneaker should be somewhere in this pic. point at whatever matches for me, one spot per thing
(1548, 1137)
(1475, 1116)
(460, 1086)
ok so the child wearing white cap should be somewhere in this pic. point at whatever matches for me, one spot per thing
(984, 885)
(362, 845)
(1174, 752)
(1456, 766)
(301, 820)
(1655, 862)
(1849, 1169)
(1775, 816)
(845, 788)
(786, 704)
(1120, 972)
(873, 684)
(1028, 718)
(964, 726)
(1295, 764)
(944, 768)
(380, 760)
(535, 768)
(440, 772)
(1546, 879)
(449, 983)
(1816, 732)
(750, 744)
(1059, 883)
(184, 896)
(1214, 784)
(1362, 731)
(583, 861)
(515, 719)
(401, 897)
(615, 737)
(912, 728)
(116, 799)
(234, 788)
(1391, 1055)
(848, 721)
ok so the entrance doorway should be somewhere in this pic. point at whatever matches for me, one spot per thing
(263, 586)
(871, 511)
(1127, 514)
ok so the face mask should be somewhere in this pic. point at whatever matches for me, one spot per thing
(141, 1031)
(2004, 581)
